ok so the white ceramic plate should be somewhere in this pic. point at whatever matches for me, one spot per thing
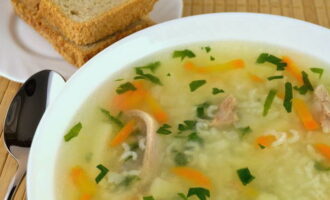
(281, 31)
(24, 52)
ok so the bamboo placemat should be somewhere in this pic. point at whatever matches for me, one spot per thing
(315, 11)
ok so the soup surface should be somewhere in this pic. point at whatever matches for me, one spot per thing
(219, 120)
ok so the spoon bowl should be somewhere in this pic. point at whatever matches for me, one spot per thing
(23, 117)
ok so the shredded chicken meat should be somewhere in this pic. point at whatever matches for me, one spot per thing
(151, 158)
(226, 114)
(322, 105)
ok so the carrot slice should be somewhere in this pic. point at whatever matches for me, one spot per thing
(234, 64)
(193, 176)
(256, 78)
(293, 69)
(324, 149)
(140, 98)
(124, 133)
(81, 180)
(265, 140)
(86, 197)
(156, 110)
(131, 99)
(305, 115)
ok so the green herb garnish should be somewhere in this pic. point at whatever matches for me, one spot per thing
(103, 172)
(128, 86)
(148, 198)
(194, 137)
(245, 175)
(307, 86)
(269, 101)
(318, 71)
(182, 196)
(287, 103)
(74, 132)
(274, 77)
(199, 192)
(112, 118)
(168, 74)
(212, 58)
(207, 49)
(200, 111)
(164, 130)
(321, 167)
(128, 181)
(146, 76)
(119, 79)
(261, 146)
(244, 131)
(194, 85)
(183, 54)
(187, 125)
(151, 66)
(265, 57)
(217, 91)
(181, 159)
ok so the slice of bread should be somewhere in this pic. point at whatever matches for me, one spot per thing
(73, 53)
(87, 21)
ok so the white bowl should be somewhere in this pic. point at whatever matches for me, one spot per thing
(281, 31)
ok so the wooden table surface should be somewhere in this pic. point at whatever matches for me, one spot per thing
(315, 11)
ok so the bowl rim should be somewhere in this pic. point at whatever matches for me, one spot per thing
(306, 37)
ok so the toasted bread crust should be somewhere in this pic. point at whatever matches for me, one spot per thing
(73, 53)
(93, 30)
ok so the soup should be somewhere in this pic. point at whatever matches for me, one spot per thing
(220, 120)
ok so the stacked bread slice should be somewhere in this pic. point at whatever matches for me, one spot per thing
(79, 29)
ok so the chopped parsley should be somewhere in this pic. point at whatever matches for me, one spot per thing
(200, 111)
(146, 76)
(187, 125)
(128, 181)
(119, 79)
(181, 159)
(274, 77)
(199, 192)
(194, 137)
(168, 74)
(102, 174)
(245, 176)
(151, 66)
(318, 71)
(307, 86)
(269, 101)
(148, 198)
(212, 58)
(265, 57)
(244, 131)
(74, 132)
(287, 103)
(207, 49)
(216, 91)
(261, 146)
(128, 86)
(194, 85)
(183, 54)
(112, 118)
(163, 130)
(321, 167)
(182, 196)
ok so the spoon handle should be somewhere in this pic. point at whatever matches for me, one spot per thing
(13, 186)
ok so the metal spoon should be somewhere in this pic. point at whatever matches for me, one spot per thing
(23, 117)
